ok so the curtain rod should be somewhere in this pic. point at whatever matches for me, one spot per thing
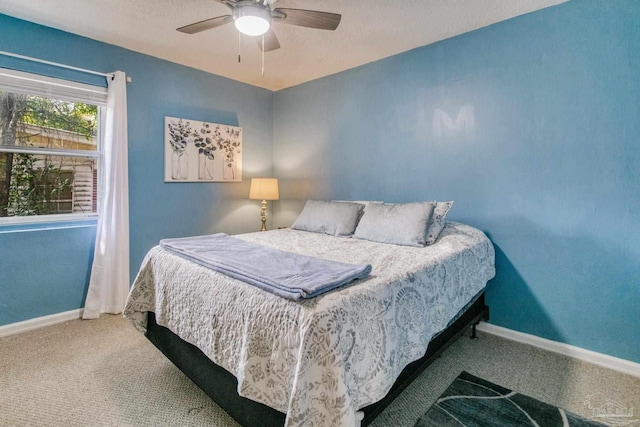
(57, 64)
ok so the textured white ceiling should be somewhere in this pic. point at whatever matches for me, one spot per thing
(370, 30)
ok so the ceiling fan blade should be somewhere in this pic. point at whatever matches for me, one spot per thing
(308, 18)
(207, 24)
(270, 41)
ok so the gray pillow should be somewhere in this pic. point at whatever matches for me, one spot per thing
(335, 218)
(364, 204)
(360, 202)
(437, 221)
(400, 224)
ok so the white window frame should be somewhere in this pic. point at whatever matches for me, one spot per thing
(48, 87)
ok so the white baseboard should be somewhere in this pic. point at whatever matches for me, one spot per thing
(610, 362)
(39, 322)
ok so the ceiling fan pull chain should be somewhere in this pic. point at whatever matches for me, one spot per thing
(263, 55)
(239, 36)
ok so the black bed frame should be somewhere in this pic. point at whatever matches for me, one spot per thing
(221, 386)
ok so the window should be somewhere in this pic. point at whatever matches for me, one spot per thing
(49, 148)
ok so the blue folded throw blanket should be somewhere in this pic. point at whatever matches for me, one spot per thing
(283, 273)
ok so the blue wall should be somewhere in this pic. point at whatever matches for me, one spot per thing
(545, 157)
(45, 270)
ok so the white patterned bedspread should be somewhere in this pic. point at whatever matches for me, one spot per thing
(322, 359)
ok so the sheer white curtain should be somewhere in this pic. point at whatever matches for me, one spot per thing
(109, 283)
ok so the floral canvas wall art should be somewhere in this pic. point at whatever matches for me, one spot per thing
(196, 151)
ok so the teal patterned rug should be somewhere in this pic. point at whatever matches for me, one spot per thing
(471, 401)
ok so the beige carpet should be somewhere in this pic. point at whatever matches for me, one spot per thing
(104, 373)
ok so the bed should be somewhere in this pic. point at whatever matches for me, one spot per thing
(323, 361)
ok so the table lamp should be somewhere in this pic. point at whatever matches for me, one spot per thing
(264, 189)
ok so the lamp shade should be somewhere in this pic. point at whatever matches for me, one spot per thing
(264, 189)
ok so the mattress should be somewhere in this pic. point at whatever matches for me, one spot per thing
(322, 359)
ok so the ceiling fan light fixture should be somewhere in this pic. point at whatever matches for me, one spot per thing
(252, 21)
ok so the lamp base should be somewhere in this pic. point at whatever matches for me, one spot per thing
(263, 215)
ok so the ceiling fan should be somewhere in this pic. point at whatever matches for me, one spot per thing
(254, 18)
